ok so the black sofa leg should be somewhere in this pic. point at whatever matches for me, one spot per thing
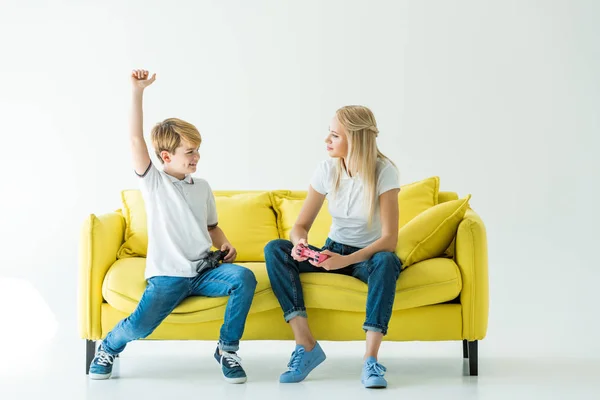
(472, 355)
(465, 348)
(90, 351)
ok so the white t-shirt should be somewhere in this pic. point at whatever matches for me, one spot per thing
(347, 206)
(178, 213)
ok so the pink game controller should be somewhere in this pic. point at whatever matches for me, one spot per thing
(315, 255)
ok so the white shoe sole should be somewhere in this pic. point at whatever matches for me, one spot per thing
(236, 380)
(99, 377)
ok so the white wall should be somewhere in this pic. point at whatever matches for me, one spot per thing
(498, 98)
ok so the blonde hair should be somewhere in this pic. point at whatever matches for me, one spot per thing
(363, 153)
(168, 134)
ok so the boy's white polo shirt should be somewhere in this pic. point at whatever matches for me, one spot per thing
(347, 207)
(179, 213)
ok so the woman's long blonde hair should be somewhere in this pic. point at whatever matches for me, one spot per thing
(361, 130)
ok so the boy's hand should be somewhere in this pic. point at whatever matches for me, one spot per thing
(139, 79)
(230, 257)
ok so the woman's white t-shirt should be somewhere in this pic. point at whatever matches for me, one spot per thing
(349, 212)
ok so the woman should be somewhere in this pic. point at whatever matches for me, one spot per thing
(361, 186)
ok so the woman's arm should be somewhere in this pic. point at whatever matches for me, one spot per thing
(388, 206)
(310, 209)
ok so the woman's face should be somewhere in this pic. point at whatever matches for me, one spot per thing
(337, 140)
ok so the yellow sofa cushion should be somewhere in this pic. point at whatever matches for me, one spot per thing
(431, 232)
(429, 282)
(247, 219)
(413, 199)
(287, 207)
(416, 197)
(136, 232)
(124, 285)
(249, 223)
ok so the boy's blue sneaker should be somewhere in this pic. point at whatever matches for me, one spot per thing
(231, 366)
(102, 364)
(301, 363)
(372, 374)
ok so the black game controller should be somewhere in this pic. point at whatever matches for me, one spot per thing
(211, 260)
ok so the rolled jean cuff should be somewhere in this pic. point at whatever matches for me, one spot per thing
(375, 328)
(109, 350)
(229, 346)
(295, 312)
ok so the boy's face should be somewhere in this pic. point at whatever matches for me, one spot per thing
(184, 161)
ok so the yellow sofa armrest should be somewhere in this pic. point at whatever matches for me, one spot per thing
(100, 240)
(471, 255)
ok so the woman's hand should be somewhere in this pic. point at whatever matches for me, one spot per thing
(333, 262)
(296, 250)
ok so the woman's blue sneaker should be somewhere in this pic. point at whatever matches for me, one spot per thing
(231, 366)
(102, 364)
(372, 374)
(301, 363)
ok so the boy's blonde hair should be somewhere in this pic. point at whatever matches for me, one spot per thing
(168, 134)
(363, 153)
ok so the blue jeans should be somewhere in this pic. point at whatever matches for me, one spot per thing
(164, 293)
(380, 273)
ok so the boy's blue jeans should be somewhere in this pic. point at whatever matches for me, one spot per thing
(164, 293)
(380, 273)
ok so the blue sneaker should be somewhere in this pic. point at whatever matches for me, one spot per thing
(372, 374)
(231, 366)
(102, 364)
(301, 363)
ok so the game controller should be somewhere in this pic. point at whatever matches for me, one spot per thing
(211, 260)
(315, 255)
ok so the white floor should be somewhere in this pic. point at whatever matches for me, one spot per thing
(182, 370)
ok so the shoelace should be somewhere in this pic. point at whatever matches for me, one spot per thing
(103, 358)
(233, 360)
(376, 369)
(295, 360)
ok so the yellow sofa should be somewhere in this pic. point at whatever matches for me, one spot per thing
(444, 297)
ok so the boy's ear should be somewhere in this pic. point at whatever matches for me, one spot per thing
(166, 157)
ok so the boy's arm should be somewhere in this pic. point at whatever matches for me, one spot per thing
(219, 240)
(139, 150)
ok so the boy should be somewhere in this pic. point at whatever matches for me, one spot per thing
(182, 226)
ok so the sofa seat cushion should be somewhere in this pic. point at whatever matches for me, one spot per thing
(428, 282)
(124, 285)
(432, 281)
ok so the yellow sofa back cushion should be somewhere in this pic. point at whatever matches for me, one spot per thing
(413, 199)
(416, 197)
(136, 230)
(431, 232)
(287, 206)
(251, 219)
(247, 218)
(249, 223)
